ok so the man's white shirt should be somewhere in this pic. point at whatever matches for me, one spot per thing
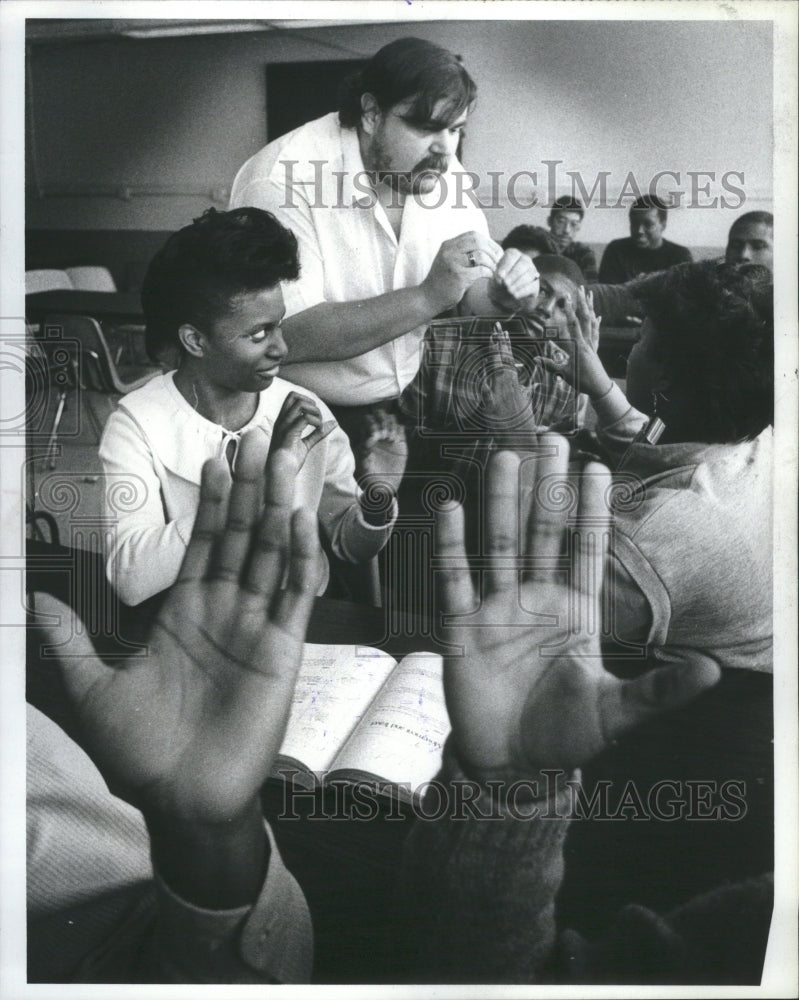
(313, 179)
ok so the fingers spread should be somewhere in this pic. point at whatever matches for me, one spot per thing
(502, 521)
(244, 508)
(454, 591)
(271, 538)
(589, 544)
(553, 501)
(210, 521)
(501, 340)
(292, 606)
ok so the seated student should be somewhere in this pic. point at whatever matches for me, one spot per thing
(645, 250)
(565, 220)
(451, 394)
(531, 240)
(213, 303)
(187, 736)
(751, 240)
(691, 550)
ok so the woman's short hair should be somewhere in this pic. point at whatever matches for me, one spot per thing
(714, 335)
(530, 238)
(410, 69)
(202, 267)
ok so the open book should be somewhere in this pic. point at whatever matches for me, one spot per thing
(359, 716)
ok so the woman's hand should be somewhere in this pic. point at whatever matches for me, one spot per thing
(297, 413)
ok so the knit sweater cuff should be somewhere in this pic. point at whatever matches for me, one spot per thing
(482, 868)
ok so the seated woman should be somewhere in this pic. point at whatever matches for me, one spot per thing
(691, 548)
(213, 308)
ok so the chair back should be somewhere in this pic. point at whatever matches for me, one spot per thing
(91, 279)
(83, 338)
(47, 280)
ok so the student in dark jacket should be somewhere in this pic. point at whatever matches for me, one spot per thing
(645, 250)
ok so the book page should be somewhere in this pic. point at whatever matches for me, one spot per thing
(401, 734)
(334, 687)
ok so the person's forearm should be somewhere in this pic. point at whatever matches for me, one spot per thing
(214, 867)
(336, 331)
(616, 419)
(614, 303)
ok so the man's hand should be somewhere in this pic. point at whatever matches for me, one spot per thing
(530, 691)
(189, 733)
(457, 265)
(515, 279)
(296, 414)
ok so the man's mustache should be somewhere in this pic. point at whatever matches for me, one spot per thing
(435, 163)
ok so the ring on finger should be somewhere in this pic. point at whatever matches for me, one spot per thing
(471, 258)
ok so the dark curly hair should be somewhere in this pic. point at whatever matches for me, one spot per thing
(530, 238)
(200, 268)
(714, 335)
(410, 69)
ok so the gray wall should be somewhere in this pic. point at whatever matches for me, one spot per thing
(177, 117)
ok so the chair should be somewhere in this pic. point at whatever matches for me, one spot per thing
(78, 358)
(91, 279)
(47, 281)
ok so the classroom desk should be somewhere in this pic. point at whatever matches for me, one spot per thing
(105, 307)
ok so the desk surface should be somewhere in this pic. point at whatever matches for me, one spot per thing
(121, 307)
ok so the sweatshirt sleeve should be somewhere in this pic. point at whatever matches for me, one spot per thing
(145, 552)
(478, 882)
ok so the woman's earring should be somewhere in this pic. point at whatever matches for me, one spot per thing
(655, 397)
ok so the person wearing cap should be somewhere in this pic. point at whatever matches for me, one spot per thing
(388, 239)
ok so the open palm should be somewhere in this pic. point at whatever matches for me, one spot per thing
(525, 684)
(193, 728)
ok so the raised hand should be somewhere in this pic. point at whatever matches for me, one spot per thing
(588, 374)
(297, 413)
(191, 730)
(529, 690)
(506, 409)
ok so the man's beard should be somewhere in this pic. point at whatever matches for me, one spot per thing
(423, 176)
